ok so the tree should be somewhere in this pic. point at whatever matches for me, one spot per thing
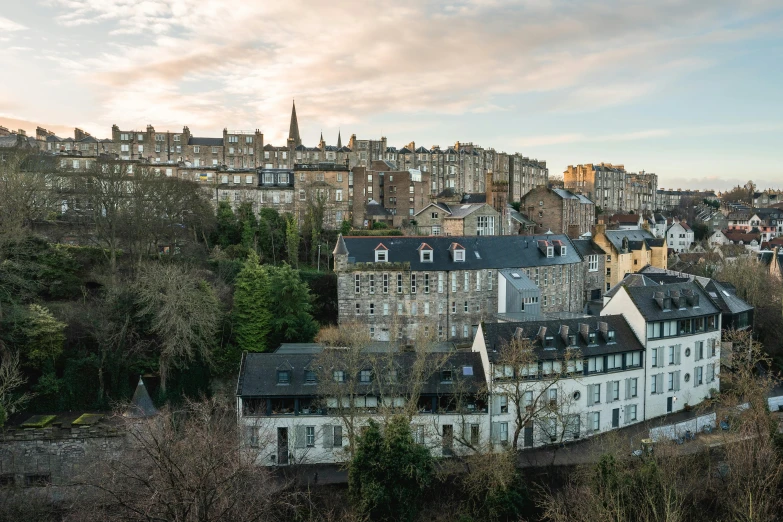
(543, 400)
(289, 304)
(44, 336)
(183, 312)
(251, 315)
(389, 471)
(271, 236)
(185, 465)
(292, 240)
(11, 379)
(24, 180)
(228, 230)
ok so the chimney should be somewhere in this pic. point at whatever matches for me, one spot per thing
(564, 333)
(542, 333)
(584, 331)
(603, 326)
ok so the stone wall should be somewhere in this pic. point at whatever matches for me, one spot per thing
(54, 456)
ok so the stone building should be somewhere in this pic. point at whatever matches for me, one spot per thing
(628, 251)
(559, 210)
(613, 188)
(413, 285)
(594, 268)
(327, 184)
(470, 219)
(400, 192)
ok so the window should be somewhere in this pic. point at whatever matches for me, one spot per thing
(140, 137)
(614, 362)
(426, 283)
(504, 432)
(338, 195)
(710, 372)
(459, 255)
(385, 308)
(358, 308)
(372, 308)
(474, 434)
(614, 391)
(485, 225)
(633, 359)
(196, 149)
(365, 376)
(425, 256)
(595, 393)
(630, 413)
(413, 283)
(381, 255)
(595, 364)
(633, 384)
(385, 283)
(435, 230)
(310, 436)
(699, 351)
(399, 309)
(466, 282)
(465, 331)
(399, 283)
(713, 347)
(310, 377)
(489, 279)
(357, 283)
(592, 263)
(302, 195)
(426, 309)
(338, 376)
(283, 376)
(552, 397)
(699, 380)
(596, 421)
(453, 307)
(372, 283)
(453, 281)
(440, 282)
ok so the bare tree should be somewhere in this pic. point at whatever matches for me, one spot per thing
(533, 393)
(184, 465)
(184, 312)
(11, 379)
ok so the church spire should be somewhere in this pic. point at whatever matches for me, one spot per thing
(339, 140)
(293, 131)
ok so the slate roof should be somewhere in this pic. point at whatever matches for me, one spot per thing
(207, 142)
(422, 150)
(373, 208)
(644, 299)
(497, 335)
(631, 280)
(635, 239)
(258, 373)
(141, 404)
(463, 211)
(474, 198)
(626, 219)
(481, 252)
(726, 298)
(587, 248)
(520, 218)
(441, 206)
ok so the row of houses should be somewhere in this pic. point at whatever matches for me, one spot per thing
(653, 349)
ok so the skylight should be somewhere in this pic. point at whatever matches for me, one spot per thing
(478, 256)
(515, 275)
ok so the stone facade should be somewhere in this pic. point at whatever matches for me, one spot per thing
(325, 182)
(628, 251)
(613, 188)
(54, 456)
(387, 284)
(559, 210)
(400, 192)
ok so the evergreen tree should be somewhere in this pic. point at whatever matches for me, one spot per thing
(249, 225)
(228, 229)
(44, 336)
(290, 305)
(292, 240)
(388, 472)
(251, 315)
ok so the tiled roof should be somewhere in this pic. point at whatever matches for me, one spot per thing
(644, 299)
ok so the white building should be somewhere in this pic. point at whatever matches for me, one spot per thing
(679, 237)
(680, 327)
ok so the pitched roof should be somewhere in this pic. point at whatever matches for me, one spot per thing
(645, 300)
(480, 197)
(481, 252)
(586, 247)
(258, 373)
(497, 335)
(463, 211)
(636, 238)
(726, 298)
(141, 404)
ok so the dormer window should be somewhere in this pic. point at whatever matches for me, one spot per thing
(457, 252)
(381, 254)
(610, 336)
(563, 250)
(549, 342)
(550, 251)
(425, 253)
(283, 377)
(591, 338)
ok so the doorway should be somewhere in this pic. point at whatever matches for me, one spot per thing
(616, 418)
(669, 403)
(282, 446)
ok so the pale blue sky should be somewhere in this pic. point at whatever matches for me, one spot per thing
(690, 90)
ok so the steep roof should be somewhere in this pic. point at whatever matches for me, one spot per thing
(463, 211)
(480, 197)
(497, 335)
(586, 247)
(141, 404)
(726, 298)
(481, 252)
(293, 130)
(636, 238)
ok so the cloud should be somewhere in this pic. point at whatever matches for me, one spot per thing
(10, 25)
(348, 61)
(560, 139)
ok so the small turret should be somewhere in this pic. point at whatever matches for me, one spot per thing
(340, 255)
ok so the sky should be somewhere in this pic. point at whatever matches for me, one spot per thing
(691, 90)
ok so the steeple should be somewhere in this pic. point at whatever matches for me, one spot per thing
(339, 140)
(293, 131)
